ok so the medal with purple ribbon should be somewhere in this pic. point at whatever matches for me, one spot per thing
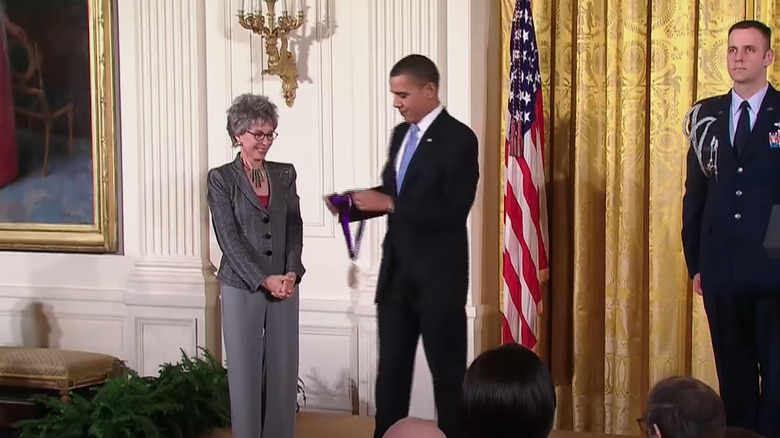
(343, 204)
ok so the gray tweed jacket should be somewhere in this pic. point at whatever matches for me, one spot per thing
(255, 241)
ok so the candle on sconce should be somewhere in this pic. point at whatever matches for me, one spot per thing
(274, 30)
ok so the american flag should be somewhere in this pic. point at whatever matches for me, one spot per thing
(525, 206)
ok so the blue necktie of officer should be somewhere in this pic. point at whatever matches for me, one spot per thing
(411, 146)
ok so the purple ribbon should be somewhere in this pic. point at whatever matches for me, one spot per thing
(343, 204)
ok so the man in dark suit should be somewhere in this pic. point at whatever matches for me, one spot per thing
(726, 208)
(428, 187)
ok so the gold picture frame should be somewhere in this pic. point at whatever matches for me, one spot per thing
(101, 236)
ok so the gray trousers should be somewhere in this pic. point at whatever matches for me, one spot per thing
(261, 344)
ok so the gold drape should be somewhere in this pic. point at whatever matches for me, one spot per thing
(618, 79)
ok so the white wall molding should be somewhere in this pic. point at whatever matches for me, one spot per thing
(47, 320)
(327, 358)
(63, 293)
(165, 65)
(326, 330)
(150, 352)
(467, 25)
(396, 29)
(171, 127)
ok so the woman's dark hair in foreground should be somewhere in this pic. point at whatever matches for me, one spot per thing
(508, 392)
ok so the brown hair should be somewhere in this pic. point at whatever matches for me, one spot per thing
(757, 25)
(684, 407)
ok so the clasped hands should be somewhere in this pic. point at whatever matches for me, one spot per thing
(371, 201)
(281, 286)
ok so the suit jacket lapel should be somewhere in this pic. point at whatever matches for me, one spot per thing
(276, 179)
(722, 127)
(766, 115)
(427, 142)
(243, 184)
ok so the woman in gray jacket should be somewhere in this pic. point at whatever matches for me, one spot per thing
(256, 216)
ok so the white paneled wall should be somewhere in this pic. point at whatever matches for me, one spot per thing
(180, 64)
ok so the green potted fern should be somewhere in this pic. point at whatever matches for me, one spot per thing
(123, 407)
(185, 400)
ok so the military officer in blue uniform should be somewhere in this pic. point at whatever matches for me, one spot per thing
(733, 179)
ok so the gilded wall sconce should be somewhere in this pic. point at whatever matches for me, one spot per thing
(275, 31)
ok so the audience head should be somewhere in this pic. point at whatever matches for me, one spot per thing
(251, 125)
(683, 407)
(414, 82)
(733, 432)
(410, 427)
(508, 392)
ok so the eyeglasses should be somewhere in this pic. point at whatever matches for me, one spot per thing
(259, 136)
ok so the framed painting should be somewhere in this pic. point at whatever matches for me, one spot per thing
(58, 148)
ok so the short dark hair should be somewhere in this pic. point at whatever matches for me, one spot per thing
(754, 24)
(418, 67)
(684, 407)
(508, 391)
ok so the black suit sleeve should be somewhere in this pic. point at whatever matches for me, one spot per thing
(226, 229)
(396, 138)
(294, 238)
(358, 215)
(693, 209)
(459, 187)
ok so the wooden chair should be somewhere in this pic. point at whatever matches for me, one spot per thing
(31, 100)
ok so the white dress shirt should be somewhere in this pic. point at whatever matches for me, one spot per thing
(755, 104)
(423, 126)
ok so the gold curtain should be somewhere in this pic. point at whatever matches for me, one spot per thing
(619, 77)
